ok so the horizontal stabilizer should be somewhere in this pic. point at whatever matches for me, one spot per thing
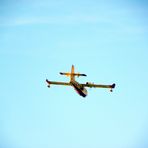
(81, 74)
(65, 73)
(72, 74)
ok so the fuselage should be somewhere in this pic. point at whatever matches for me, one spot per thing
(79, 88)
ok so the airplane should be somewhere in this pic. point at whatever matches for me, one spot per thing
(80, 88)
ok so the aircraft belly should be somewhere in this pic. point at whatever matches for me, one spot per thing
(80, 91)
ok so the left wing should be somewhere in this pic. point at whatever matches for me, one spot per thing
(57, 83)
(98, 85)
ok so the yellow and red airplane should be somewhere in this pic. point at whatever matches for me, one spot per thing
(80, 88)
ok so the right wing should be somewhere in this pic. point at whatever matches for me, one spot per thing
(98, 85)
(57, 83)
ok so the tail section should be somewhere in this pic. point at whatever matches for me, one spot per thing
(72, 77)
(72, 74)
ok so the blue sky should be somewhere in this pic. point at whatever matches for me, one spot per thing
(105, 39)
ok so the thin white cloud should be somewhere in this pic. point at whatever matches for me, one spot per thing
(110, 22)
(68, 19)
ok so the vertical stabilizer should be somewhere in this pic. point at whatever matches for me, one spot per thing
(72, 76)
